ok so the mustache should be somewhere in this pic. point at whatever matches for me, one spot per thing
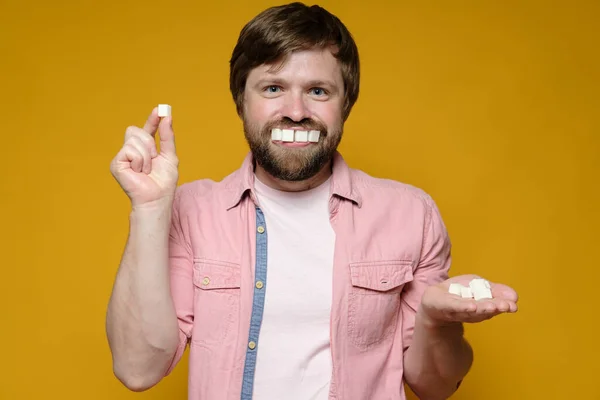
(306, 124)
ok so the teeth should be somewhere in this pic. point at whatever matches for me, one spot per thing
(313, 136)
(301, 136)
(288, 135)
(276, 134)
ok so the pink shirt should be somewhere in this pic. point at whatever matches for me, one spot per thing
(391, 243)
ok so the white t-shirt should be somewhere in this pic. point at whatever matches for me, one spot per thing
(294, 360)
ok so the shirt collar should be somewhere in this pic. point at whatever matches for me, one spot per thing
(242, 182)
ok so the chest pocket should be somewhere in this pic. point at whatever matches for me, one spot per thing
(216, 300)
(374, 300)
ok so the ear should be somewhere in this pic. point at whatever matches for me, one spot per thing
(240, 104)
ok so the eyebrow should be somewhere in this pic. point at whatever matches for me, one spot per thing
(313, 83)
(318, 82)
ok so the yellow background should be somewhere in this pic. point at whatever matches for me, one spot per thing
(490, 106)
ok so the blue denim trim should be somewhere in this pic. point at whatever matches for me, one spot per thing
(257, 306)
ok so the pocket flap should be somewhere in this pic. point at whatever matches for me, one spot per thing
(209, 274)
(381, 275)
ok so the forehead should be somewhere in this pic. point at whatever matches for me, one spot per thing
(311, 64)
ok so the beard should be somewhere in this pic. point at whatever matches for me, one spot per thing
(288, 163)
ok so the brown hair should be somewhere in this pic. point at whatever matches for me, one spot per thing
(276, 32)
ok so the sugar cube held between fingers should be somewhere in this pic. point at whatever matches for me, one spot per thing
(164, 110)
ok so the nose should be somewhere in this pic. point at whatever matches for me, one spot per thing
(296, 108)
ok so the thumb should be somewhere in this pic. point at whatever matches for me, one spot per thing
(167, 136)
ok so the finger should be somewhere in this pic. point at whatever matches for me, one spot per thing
(481, 318)
(130, 155)
(505, 292)
(481, 314)
(152, 122)
(486, 307)
(470, 305)
(502, 305)
(497, 306)
(506, 305)
(473, 317)
(509, 306)
(145, 137)
(167, 137)
(143, 150)
(484, 311)
(457, 304)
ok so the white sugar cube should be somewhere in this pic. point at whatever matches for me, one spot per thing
(301, 136)
(479, 284)
(466, 292)
(276, 134)
(313, 136)
(164, 110)
(287, 135)
(484, 293)
(455, 288)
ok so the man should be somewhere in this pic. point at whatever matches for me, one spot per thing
(296, 277)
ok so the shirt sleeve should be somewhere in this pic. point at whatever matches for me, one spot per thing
(433, 267)
(181, 278)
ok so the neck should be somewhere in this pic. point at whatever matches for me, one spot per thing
(298, 186)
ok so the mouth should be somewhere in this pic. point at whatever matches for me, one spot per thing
(294, 138)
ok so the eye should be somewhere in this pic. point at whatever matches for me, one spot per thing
(272, 89)
(319, 92)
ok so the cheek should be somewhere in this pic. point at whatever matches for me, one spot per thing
(329, 114)
(260, 112)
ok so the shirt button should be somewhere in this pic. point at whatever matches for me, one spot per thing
(205, 281)
(252, 345)
(259, 285)
(261, 229)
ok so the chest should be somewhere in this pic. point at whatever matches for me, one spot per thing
(375, 249)
(349, 269)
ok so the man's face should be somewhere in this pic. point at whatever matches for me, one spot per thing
(305, 94)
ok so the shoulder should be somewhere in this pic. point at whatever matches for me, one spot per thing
(372, 187)
(206, 191)
(399, 202)
(196, 190)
